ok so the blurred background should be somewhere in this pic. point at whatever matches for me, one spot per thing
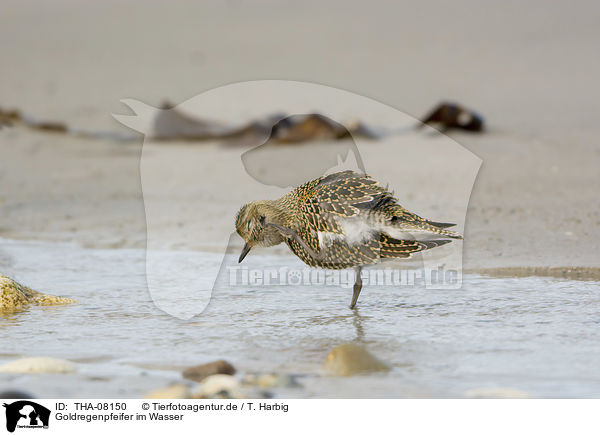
(530, 68)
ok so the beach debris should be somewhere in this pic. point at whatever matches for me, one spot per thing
(38, 365)
(314, 126)
(170, 123)
(8, 117)
(200, 372)
(13, 116)
(271, 380)
(58, 127)
(309, 162)
(451, 115)
(351, 359)
(15, 296)
(15, 394)
(496, 393)
(176, 391)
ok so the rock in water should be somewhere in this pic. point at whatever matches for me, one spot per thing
(38, 365)
(219, 386)
(198, 373)
(271, 380)
(177, 391)
(14, 296)
(350, 359)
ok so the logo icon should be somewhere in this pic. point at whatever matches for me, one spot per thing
(26, 414)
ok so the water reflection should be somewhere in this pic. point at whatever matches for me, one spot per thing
(357, 321)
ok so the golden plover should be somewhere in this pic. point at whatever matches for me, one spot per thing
(339, 221)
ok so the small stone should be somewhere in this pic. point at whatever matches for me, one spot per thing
(350, 359)
(177, 391)
(219, 386)
(496, 393)
(14, 296)
(38, 365)
(271, 380)
(198, 373)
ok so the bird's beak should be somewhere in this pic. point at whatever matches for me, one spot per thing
(245, 251)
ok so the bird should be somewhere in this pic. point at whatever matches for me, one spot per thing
(339, 221)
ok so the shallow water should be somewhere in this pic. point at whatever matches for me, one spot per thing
(539, 335)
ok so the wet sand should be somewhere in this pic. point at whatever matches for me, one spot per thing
(522, 217)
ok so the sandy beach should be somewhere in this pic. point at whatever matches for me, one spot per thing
(530, 75)
(72, 210)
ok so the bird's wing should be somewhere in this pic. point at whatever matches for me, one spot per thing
(338, 254)
(320, 202)
(353, 193)
(340, 193)
(345, 195)
(335, 195)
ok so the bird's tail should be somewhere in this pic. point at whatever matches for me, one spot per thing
(441, 224)
(435, 230)
(418, 224)
(410, 222)
(395, 248)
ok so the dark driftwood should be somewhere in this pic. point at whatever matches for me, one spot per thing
(451, 115)
(172, 124)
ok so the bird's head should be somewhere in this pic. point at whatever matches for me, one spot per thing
(253, 224)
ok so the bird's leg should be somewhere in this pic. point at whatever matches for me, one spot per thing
(357, 288)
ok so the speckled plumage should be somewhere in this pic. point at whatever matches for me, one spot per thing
(339, 221)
